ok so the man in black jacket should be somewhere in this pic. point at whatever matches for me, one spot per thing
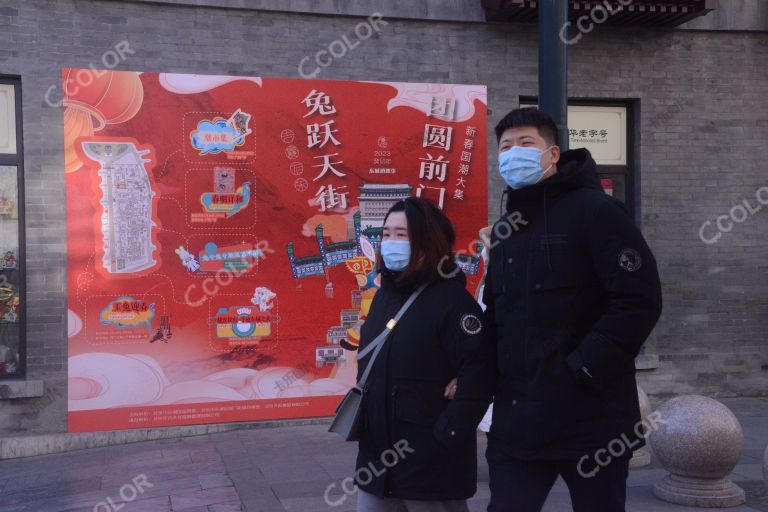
(572, 293)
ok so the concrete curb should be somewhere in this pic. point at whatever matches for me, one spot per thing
(30, 446)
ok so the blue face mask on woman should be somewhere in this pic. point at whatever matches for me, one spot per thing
(521, 167)
(396, 254)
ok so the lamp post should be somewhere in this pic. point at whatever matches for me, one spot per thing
(553, 65)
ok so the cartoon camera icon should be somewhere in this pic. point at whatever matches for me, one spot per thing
(242, 322)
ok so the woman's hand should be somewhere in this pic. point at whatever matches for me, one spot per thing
(450, 389)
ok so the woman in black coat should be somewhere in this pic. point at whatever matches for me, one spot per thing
(417, 451)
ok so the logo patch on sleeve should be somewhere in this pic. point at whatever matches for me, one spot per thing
(630, 260)
(470, 324)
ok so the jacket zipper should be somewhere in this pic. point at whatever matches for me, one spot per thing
(387, 476)
(392, 418)
(366, 423)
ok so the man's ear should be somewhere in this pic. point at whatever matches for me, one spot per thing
(555, 155)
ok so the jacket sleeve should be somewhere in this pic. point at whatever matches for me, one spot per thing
(627, 271)
(489, 301)
(465, 338)
(488, 297)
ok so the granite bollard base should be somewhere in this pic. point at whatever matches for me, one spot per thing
(699, 492)
(699, 441)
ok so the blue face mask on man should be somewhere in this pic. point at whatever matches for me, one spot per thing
(396, 254)
(521, 166)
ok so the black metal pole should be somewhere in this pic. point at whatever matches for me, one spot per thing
(553, 64)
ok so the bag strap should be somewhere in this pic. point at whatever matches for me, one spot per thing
(391, 324)
(377, 343)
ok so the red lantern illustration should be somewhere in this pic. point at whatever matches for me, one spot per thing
(94, 99)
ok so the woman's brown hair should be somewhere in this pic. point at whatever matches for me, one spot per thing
(432, 236)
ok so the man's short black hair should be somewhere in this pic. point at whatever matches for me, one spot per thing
(530, 116)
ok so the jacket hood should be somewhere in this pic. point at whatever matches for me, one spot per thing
(576, 169)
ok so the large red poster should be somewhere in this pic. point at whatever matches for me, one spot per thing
(221, 234)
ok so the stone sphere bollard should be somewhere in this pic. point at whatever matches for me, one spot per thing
(641, 457)
(699, 441)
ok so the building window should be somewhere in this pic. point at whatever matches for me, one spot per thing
(12, 339)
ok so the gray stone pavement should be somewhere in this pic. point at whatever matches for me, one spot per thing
(278, 470)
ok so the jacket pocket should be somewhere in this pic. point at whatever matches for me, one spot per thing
(420, 406)
(545, 345)
(561, 296)
(559, 263)
(548, 371)
(557, 281)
